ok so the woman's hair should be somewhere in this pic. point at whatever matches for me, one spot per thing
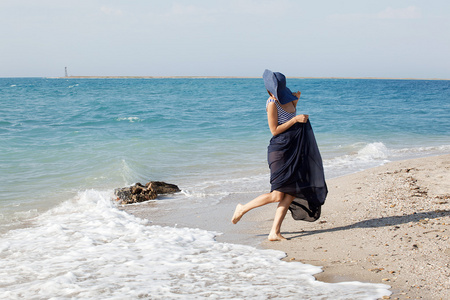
(270, 94)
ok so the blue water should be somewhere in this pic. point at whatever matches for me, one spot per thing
(60, 138)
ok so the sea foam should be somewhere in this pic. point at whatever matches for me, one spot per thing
(360, 158)
(88, 248)
(129, 119)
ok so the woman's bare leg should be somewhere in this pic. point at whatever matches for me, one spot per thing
(261, 200)
(283, 206)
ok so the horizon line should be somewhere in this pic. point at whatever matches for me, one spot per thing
(232, 77)
(216, 77)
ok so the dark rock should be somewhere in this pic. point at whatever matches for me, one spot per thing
(140, 193)
(162, 188)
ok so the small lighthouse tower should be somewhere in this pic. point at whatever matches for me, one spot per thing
(66, 72)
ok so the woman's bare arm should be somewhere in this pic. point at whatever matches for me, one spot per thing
(272, 117)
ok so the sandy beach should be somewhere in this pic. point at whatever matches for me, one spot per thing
(389, 224)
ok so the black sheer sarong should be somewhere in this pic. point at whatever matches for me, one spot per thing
(296, 169)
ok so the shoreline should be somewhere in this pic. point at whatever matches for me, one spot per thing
(389, 224)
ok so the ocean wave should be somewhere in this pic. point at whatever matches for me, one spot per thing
(214, 190)
(367, 155)
(442, 149)
(373, 151)
(16, 219)
(126, 172)
(129, 119)
(202, 194)
(87, 248)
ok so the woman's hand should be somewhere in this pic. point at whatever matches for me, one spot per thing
(297, 94)
(301, 118)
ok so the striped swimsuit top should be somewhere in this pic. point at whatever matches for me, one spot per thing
(283, 116)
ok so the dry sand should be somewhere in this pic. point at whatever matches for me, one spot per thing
(388, 224)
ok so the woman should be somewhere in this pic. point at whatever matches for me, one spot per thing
(296, 171)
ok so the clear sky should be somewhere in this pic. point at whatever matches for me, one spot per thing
(314, 38)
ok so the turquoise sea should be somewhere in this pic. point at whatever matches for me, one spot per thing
(65, 144)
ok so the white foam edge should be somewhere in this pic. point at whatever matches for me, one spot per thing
(87, 248)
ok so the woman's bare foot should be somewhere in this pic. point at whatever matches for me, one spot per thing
(276, 237)
(238, 213)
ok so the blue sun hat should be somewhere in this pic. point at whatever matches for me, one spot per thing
(275, 82)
